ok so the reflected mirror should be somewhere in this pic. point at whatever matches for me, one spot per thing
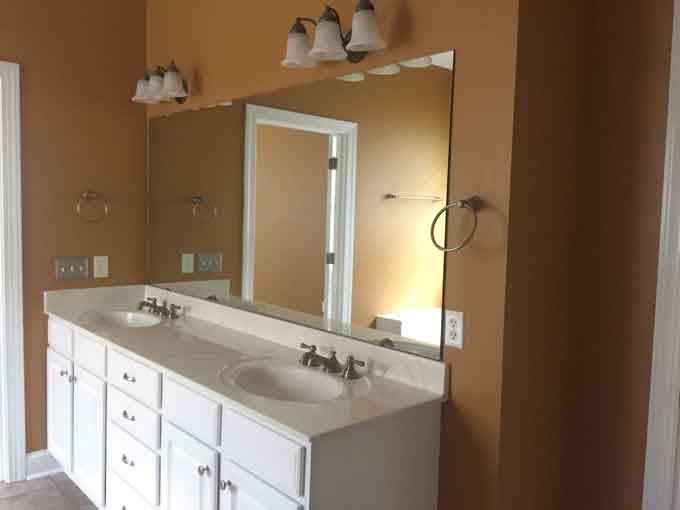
(312, 204)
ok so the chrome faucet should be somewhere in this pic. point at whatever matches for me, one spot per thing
(310, 358)
(150, 303)
(163, 311)
(331, 365)
(349, 371)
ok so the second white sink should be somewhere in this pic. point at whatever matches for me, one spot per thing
(124, 319)
(285, 382)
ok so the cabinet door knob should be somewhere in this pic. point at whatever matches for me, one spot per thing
(128, 416)
(129, 378)
(72, 379)
(225, 484)
(63, 373)
(203, 471)
(127, 461)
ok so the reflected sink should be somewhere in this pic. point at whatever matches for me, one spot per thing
(123, 319)
(285, 382)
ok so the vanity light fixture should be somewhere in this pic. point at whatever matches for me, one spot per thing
(330, 42)
(417, 63)
(353, 78)
(163, 84)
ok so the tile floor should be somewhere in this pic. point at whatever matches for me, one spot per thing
(55, 492)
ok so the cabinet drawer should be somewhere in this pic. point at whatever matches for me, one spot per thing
(135, 418)
(134, 463)
(60, 338)
(192, 412)
(260, 450)
(241, 488)
(140, 381)
(120, 495)
(89, 354)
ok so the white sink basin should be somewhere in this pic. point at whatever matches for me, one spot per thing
(122, 319)
(285, 382)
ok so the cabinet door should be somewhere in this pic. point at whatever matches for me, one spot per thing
(60, 409)
(89, 436)
(188, 472)
(242, 491)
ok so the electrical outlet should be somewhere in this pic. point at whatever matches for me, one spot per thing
(453, 329)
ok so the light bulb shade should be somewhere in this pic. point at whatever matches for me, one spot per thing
(297, 52)
(352, 78)
(142, 92)
(417, 63)
(328, 44)
(154, 89)
(173, 84)
(365, 31)
(388, 70)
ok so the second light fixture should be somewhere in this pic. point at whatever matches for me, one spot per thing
(330, 42)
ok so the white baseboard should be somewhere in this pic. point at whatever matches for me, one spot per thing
(41, 464)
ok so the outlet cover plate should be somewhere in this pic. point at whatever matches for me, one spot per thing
(72, 268)
(209, 262)
(453, 329)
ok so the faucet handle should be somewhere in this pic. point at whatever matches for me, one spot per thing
(173, 311)
(349, 371)
(310, 348)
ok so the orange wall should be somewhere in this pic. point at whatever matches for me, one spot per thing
(79, 59)
(208, 42)
(290, 231)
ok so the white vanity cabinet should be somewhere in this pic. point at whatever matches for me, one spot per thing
(134, 435)
(189, 472)
(60, 408)
(76, 413)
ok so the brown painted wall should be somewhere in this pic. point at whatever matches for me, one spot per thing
(196, 153)
(80, 131)
(629, 57)
(290, 230)
(484, 34)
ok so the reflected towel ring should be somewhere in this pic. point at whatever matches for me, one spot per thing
(92, 196)
(474, 205)
(198, 201)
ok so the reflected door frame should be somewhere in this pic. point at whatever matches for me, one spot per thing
(338, 285)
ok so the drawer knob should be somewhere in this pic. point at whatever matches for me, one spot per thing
(63, 373)
(128, 416)
(127, 461)
(224, 485)
(72, 379)
(129, 378)
(203, 471)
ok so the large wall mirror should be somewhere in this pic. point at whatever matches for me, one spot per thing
(312, 204)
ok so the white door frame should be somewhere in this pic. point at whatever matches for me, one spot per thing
(347, 133)
(12, 408)
(661, 467)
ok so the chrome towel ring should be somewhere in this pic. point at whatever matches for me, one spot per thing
(474, 205)
(198, 201)
(92, 196)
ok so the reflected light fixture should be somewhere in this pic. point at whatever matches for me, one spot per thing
(388, 70)
(417, 63)
(163, 84)
(330, 42)
(352, 78)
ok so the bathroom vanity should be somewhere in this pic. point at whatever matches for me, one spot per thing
(214, 410)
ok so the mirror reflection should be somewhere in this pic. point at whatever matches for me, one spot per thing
(312, 204)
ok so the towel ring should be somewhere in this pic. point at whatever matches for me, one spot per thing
(473, 204)
(91, 196)
(198, 201)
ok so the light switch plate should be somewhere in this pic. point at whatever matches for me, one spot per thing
(100, 266)
(72, 268)
(453, 329)
(187, 263)
(209, 262)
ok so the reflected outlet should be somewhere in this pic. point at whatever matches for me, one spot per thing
(453, 329)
